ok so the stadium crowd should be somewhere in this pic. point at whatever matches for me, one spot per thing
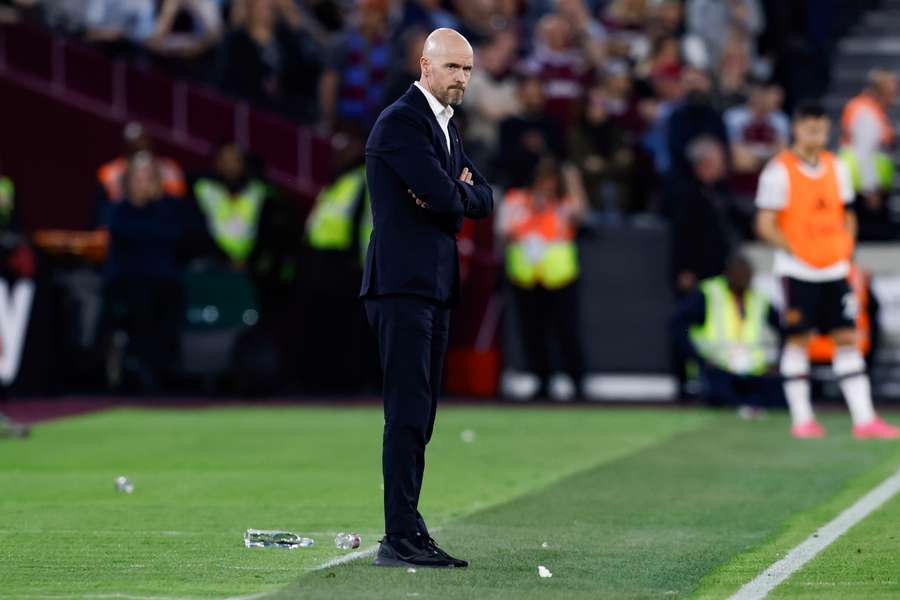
(580, 111)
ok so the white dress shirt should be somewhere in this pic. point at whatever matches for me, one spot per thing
(441, 113)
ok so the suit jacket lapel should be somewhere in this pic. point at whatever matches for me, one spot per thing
(417, 99)
(457, 151)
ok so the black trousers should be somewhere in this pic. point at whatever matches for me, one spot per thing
(546, 315)
(412, 337)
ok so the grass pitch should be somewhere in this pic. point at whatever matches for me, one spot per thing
(620, 503)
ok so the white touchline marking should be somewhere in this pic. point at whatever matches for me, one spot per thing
(778, 572)
(342, 560)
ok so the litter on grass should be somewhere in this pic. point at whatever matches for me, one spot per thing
(262, 538)
(544, 571)
(545, 545)
(124, 485)
(410, 570)
(468, 436)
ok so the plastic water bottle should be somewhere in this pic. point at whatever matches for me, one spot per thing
(347, 541)
(123, 484)
(262, 538)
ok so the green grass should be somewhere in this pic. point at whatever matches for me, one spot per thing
(204, 476)
(632, 503)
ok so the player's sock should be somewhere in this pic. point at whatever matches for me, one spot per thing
(850, 369)
(795, 370)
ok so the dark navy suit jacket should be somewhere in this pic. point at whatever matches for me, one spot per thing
(413, 249)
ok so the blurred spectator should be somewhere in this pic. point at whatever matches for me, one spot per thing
(113, 22)
(479, 20)
(702, 237)
(693, 117)
(868, 138)
(405, 72)
(604, 148)
(245, 226)
(143, 290)
(756, 131)
(715, 21)
(587, 32)
(561, 67)
(352, 87)
(733, 72)
(16, 256)
(427, 15)
(491, 96)
(526, 137)
(338, 346)
(721, 327)
(538, 225)
(267, 59)
(667, 90)
(110, 176)
(186, 30)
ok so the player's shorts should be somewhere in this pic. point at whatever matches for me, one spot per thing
(823, 306)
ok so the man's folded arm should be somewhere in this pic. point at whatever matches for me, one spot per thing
(410, 154)
(479, 200)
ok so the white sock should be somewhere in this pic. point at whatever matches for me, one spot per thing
(850, 369)
(795, 370)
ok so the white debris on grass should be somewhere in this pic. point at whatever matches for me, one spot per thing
(410, 570)
(467, 436)
(544, 572)
(545, 545)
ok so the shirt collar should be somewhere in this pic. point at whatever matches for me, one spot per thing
(437, 108)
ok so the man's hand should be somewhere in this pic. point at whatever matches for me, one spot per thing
(466, 176)
(419, 202)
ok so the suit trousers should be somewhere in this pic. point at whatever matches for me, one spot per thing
(412, 334)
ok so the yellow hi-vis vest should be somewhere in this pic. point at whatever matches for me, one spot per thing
(884, 167)
(330, 224)
(542, 250)
(725, 340)
(233, 220)
(7, 200)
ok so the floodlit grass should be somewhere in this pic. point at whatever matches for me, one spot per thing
(630, 503)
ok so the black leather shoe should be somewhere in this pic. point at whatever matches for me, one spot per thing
(415, 552)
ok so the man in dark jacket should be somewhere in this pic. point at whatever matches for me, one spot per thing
(422, 185)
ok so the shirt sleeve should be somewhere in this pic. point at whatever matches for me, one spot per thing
(845, 182)
(772, 192)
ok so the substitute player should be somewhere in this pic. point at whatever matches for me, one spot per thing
(804, 200)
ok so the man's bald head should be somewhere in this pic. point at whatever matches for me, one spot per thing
(447, 61)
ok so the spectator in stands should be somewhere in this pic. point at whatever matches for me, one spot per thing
(17, 258)
(526, 137)
(110, 176)
(491, 97)
(246, 227)
(715, 21)
(427, 15)
(733, 72)
(720, 327)
(116, 22)
(702, 237)
(351, 90)
(338, 352)
(143, 291)
(587, 32)
(868, 138)
(604, 146)
(693, 117)
(266, 58)
(405, 72)
(538, 225)
(561, 67)
(186, 30)
(757, 131)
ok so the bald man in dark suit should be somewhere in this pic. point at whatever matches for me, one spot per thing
(422, 186)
